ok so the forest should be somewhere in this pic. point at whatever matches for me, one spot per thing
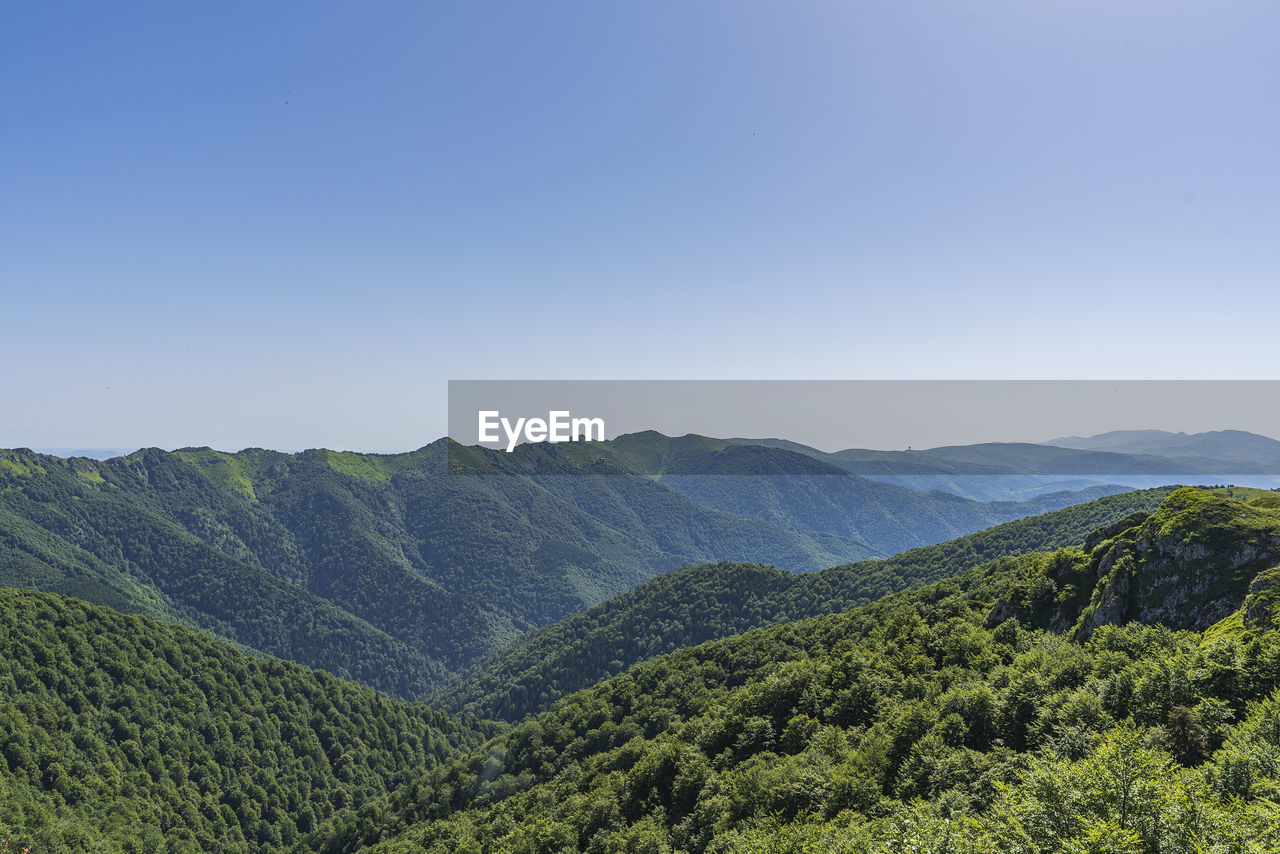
(709, 601)
(399, 572)
(948, 719)
(1114, 695)
(119, 733)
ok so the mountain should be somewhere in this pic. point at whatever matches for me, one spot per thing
(1190, 565)
(1237, 447)
(652, 453)
(387, 569)
(955, 717)
(700, 603)
(1018, 487)
(1120, 452)
(1013, 471)
(1027, 458)
(121, 734)
(1118, 695)
(400, 570)
(888, 517)
(995, 458)
(1122, 441)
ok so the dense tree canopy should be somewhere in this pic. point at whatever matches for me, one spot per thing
(701, 603)
(121, 734)
(923, 722)
(1121, 694)
(396, 570)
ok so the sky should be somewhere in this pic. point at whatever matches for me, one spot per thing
(290, 224)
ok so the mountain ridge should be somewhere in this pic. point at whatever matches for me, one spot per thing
(396, 571)
(1121, 452)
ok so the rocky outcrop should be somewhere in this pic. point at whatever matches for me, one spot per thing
(1183, 586)
(1195, 561)
(1187, 566)
(1260, 603)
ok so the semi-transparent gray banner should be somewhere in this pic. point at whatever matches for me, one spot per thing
(1160, 430)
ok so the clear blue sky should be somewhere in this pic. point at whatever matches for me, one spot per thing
(288, 224)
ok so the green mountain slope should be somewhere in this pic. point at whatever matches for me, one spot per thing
(397, 571)
(1189, 565)
(121, 734)
(387, 569)
(701, 603)
(932, 720)
(149, 533)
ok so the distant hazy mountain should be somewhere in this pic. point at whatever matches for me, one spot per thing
(1025, 487)
(1233, 446)
(1016, 471)
(1002, 458)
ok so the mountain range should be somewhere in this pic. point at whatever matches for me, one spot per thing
(1120, 452)
(993, 700)
(404, 570)
(399, 572)
(1235, 446)
(1019, 470)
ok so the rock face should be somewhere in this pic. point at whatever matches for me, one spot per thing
(1195, 561)
(1260, 604)
(1180, 584)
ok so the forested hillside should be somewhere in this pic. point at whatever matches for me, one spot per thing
(1118, 695)
(385, 569)
(701, 603)
(394, 569)
(970, 715)
(120, 734)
